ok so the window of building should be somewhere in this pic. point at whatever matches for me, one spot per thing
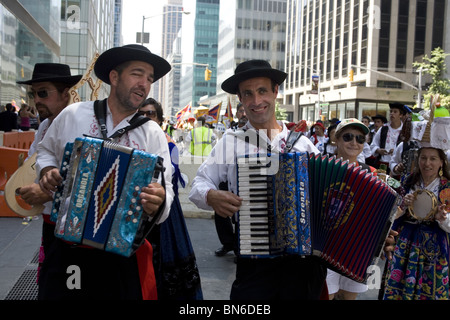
(385, 27)
(421, 23)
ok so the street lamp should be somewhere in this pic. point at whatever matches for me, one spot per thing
(419, 89)
(156, 15)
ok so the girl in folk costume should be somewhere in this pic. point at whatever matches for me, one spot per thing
(419, 268)
(319, 138)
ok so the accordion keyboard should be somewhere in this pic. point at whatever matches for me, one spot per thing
(255, 213)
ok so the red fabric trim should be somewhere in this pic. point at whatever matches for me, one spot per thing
(324, 293)
(144, 257)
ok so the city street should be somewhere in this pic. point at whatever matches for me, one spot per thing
(19, 244)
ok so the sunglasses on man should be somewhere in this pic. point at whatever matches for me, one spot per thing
(149, 113)
(41, 93)
(349, 137)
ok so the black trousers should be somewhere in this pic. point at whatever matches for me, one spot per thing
(283, 278)
(225, 231)
(102, 275)
(224, 226)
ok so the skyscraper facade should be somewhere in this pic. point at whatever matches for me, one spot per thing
(350, 58)
(251, 29)
(29, 34)
(199, 48)
(172, 19)
(88, 27)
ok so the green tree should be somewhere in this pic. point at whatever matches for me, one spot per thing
(436, 67)
(280, 113)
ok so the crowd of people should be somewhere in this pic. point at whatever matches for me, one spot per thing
(164, 265)
(25, 119)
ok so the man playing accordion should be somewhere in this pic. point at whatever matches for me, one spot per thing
(289, 277)
(130, 71)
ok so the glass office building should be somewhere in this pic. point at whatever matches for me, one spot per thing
(376, 40)
(27, 37)
(199, 43)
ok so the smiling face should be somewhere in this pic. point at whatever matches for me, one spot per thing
(429, 163)
(131, 85)
(349, 150)
(258, 98)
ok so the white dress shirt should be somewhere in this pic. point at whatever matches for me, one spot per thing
(79, 118)
(220, 165)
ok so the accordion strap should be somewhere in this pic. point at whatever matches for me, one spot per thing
(292, 139)
(100, 114)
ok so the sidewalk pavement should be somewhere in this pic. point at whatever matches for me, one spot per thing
(19, 245)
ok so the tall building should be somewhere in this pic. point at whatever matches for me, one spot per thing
(118, 23)
(200, 42)
(172, 19)
(88, 27)
(29, 34)
(350, 58)
(249, 29)
(173, 80)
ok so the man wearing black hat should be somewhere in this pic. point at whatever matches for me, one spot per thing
(256, 84)
(386, 138)
(49, 88)
(130, 71)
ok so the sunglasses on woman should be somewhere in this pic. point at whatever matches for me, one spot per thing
(349, 137)
(41, 93)
(149, 113)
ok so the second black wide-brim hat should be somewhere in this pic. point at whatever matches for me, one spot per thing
(52, 72)
(381, 117)
(111, 58)
(252, 69)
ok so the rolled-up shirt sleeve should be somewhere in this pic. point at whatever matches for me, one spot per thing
(51, 148)
(218, 167)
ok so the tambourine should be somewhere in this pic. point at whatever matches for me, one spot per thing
(424, 206)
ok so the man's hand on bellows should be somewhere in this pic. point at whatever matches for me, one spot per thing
(152, 197)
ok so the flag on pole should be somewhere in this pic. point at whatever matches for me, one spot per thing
(213, 114)
(228, 116)
(180, 114)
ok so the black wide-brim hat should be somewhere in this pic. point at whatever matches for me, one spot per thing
(379, 116)
(52, 72)
(111, 58)
(252, 69)
(400, 106)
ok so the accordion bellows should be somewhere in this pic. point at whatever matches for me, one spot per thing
(98, 204)
(314, 205)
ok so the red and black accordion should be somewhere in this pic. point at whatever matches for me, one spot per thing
(313, 205)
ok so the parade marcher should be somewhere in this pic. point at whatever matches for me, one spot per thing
(399, 160)
(130, 71)
(175, 265)
(26, 113)
(319, 138)
(241, 117)
(49, 88)
(386, 138)
(350, 138)
(256, 84)
(201, 138)
(8, 119)
(378, 122)
(330, 146)
(419, 269)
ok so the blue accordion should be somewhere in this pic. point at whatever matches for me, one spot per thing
(98, 204)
